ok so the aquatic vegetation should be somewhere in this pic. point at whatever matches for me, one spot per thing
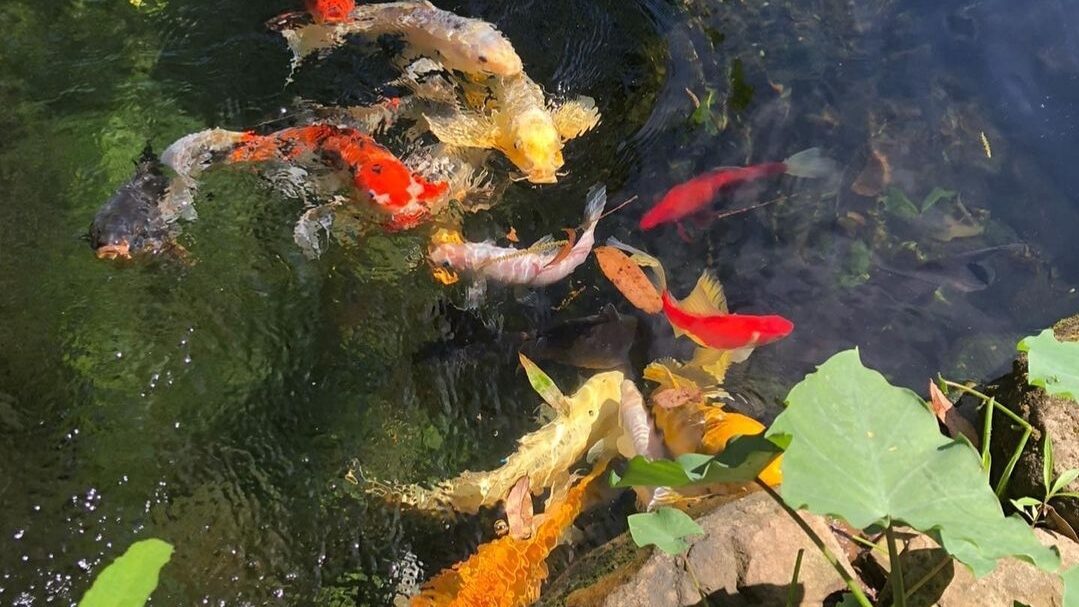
(130, 579)
(508, 572)
(1054, 365)
(545, 456)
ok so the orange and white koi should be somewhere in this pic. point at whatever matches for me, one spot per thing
(460, 43)
(538, 265)
(509, 572)
(377, 174)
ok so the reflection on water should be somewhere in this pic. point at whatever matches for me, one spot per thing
(218, 402)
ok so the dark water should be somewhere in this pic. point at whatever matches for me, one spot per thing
(217, 404)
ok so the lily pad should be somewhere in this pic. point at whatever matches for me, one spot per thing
(1053, 364)
(864, 450)
(1071, 587)
(130, 579)
(666, 528)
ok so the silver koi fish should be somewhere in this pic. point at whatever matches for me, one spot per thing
(532, 266)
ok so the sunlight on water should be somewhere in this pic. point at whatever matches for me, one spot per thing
(218, 400)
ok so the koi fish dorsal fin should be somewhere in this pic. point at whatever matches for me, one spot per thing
(574, 118)
(707, 298)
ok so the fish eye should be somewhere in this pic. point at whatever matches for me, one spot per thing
(482, 58)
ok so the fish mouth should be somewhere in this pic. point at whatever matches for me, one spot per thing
(121, 250)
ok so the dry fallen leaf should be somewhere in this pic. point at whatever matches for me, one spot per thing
(669, 398)
(519, 510)
(946, 413)
(629, 279)
(876, 175)
(571, 239)
(512, 235)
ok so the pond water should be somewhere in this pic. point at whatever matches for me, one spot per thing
(218, 403)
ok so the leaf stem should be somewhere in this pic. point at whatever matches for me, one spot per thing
(794, 578)
(855, 589)
(993, 405)
(899, 591)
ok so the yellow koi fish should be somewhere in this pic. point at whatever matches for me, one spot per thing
(520, 123)
(588, 417)
(508, 572)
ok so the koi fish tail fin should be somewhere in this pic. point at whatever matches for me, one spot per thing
(741, 355)
(811, 163)
(597, 200)
(642, 259)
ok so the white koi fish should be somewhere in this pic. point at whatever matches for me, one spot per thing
(468, 45)
(535, 266)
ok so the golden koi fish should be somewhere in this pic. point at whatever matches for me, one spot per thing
(521, 124)
(544, 456)
(468, 45)
(508, 572)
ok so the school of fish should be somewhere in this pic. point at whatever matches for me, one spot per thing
(471, 93)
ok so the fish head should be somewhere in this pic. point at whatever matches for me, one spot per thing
(330, 11)
(447, 254)
(773, 328)
(487, 51)
(130, 222)
(536, 147)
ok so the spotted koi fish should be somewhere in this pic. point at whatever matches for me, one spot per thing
(508, 572)
(406, 196)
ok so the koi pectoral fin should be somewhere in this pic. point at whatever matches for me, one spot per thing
(462, 129)
(574, 118)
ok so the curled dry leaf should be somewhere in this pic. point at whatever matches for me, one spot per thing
(512, 235)
(629, 279)
(670, 398)
(519, 510)
(946, 413)
(571, 239)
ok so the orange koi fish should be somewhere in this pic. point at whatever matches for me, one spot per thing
(330, 11)
(703, 317)
(694, 195)
(405, 195)
(508, 572)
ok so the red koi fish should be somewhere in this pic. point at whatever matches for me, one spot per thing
(330, 11)
(405, 195)
(694, 195)
(703, 317)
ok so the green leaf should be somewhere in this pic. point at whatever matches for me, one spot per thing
(1071, 587)
(897, 203)
(1026, 502)
(1047, 461)
(740, 462)
(703, 113)
(936, 196)
(130, 579)
(1064, 480)
(872, 453)
(665, 528)
(1052, 364)
(544, 385)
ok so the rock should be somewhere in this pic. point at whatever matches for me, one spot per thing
(746, 558)
(1056, 416)
(953, 585)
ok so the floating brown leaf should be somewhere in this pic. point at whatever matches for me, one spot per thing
(946, 413)
(519, 510)
(571, 239)
(629, 279)
(512, 235)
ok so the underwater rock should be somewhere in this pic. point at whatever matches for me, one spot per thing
(1056, 416)
(1012, 582)
(745, 558)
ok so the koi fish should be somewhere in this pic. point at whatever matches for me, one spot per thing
(330, 11)
(601, 342)
(703, 317)
(639, 437)
(468, 45)
(376, 173)
(698, 427)
(544, 456)
(509, 572)
(521, 124)
(694, 195)
(535, 266)
(130, 221)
